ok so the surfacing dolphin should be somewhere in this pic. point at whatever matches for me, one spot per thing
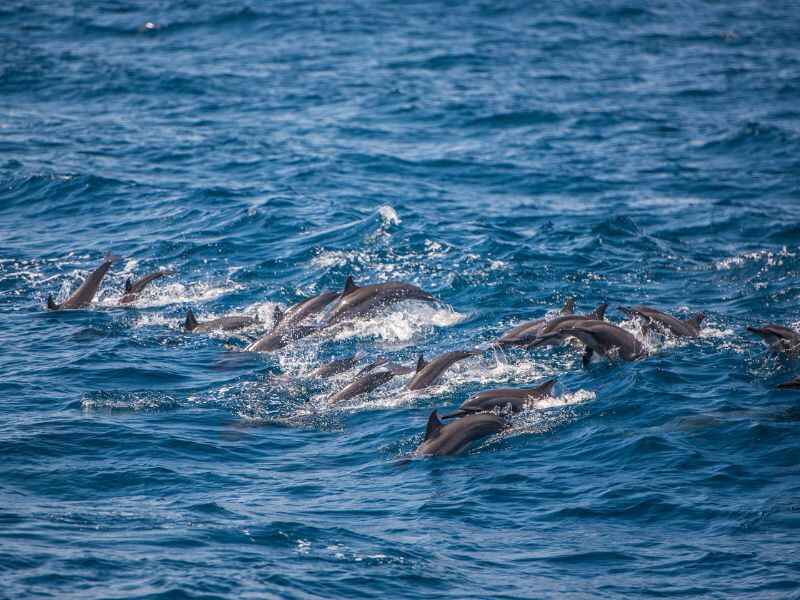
(336, 366)
(457, 436)
(513, 398)
(367, 379)
(134, 288)
(287, 326)
(601, 338)
(683, 328)
(793, 384)
(361, 385)
(542, 336)
(777, 337)
(223, 323)
(84, 295)
(383, 363)
(358, 301)
(428, 373)
(522, 333)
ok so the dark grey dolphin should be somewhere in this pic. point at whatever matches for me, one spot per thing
(428, 373)
(361, 385)
(223, 323)
(287, 324)
(516, 399)
(84, 295)
(601, 337)
(682, 328)
(522, 333)
(793, 384)
(134, 288)
(458, 435)
(777, 337)
(358, 301)
(336, 366)
(543, 337)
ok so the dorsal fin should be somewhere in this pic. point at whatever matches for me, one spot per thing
(546, 387)
(191, 321)
(421, 362)
(696, 319)
(128, 285)
(569, 306)
(349, 286)
(434, 426)
(51, 304)
(600, 312)
(277, 316)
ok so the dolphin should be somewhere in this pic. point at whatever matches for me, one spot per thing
(336, 366)
(777, 337)
(682, 328)
(358, 301)
(516, 399)
(287, 326)
(134, 288)
(361, 385)
(457, 436)
(84, 295)
(601, 337)
(383, 363)
(428, 373)
(793, 384)
(520, 334)
(302, 310)
(223, 323)
(542, 337)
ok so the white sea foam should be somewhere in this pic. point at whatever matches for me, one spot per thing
(401, 324)
(169, 292)
(769, 257)
(389, 215)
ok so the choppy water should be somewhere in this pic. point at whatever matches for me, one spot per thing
(502, 156)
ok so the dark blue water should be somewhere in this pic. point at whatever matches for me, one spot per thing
(499, 154)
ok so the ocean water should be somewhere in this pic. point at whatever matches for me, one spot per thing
(503, 156)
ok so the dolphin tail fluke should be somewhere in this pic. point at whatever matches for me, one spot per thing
(599, 313)
(191, 321)
(433, 427)
(51, 303)
(569, 306)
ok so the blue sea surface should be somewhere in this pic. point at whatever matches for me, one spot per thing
(501, 155)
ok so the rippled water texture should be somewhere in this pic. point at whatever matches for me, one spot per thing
(503, 156)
